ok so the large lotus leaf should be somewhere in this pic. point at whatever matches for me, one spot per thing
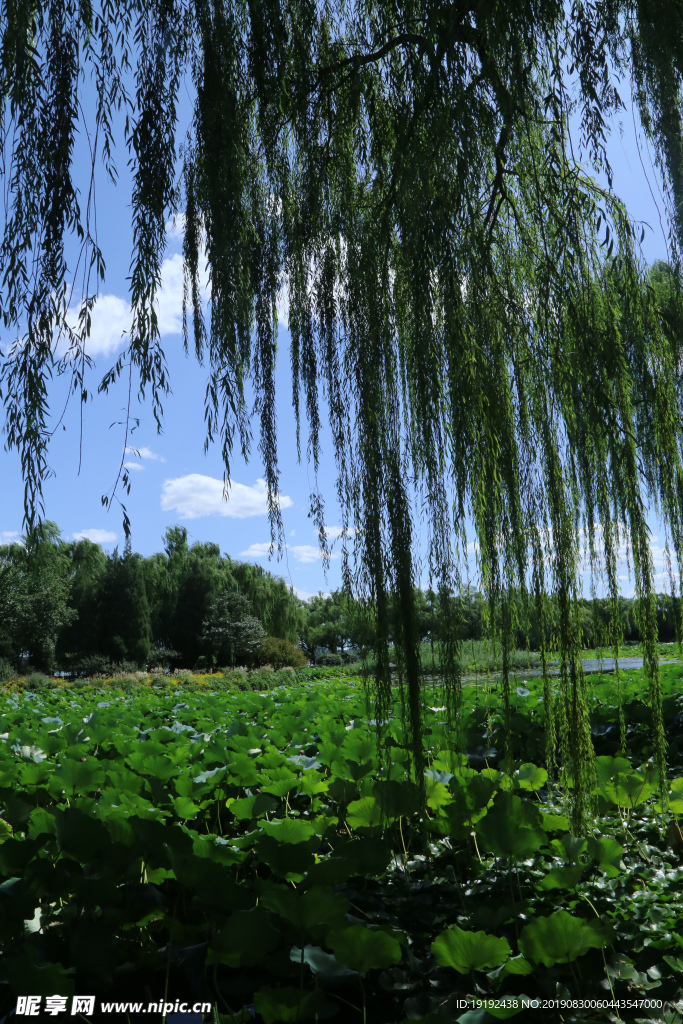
(608, 853)
(322, 964)
(611, 772)
(364, 813)
(157, 766)
(469, 951)
(81, 836)
(33, 774)
(242, 769)
(5, 831)
(287, 860)
(359, 746)
(504, 830)
(25, 976)
(570, 847)
(437, 793)
(318, 905)
(278, 781)
(288, 830)
(529, 776)
(397, 799)
(555, 823)
(245, 938)
(479, 788)
(632, 790)
(275, 1005)
(560, 938)
(518, 965)
(41, 822)
(77, 777)
(364, 949)
(563, 878)
(312, 785)
(214, 884)
(471, 795)
(675, 798)
(185, 808)
(255, 806)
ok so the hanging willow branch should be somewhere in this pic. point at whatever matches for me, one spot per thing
(464, 299)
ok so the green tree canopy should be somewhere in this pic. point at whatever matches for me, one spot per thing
(464, 297)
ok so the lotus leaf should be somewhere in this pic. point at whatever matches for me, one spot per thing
(276, 1005)
(364, 949)
(364, 813)
(322, 964)
(469, 951)
(529, 776)
(560, 938)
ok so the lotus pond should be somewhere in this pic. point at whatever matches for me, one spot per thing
(251, 850)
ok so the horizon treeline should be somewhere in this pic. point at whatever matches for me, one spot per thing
(69, 606)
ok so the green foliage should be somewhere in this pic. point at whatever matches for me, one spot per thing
(262, 834)
(282, 653)
(467, 298)
(469, 951)
(6, 671)
(561, 938)
(36, 681)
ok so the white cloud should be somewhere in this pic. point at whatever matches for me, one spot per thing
(145, 453)
(333, 533)
(111, 315)
(133, 465)
(8, 536)
(197, 495)
(175, 228)
(304, 553)
(256, 551)
(96, 536)
(307, 553)
(110, 320)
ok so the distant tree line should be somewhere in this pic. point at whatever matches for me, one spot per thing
(335, 628)
(70, 606)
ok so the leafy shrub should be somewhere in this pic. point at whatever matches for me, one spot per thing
(123, 683)
(6, 671)
(260, 679)
(284, 676)
(37, 681)
(280, 653)
(328, 659)
(99, 666)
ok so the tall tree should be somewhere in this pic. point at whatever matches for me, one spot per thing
(463, 292)
(87, 568)
(124, 623)
(45, 609)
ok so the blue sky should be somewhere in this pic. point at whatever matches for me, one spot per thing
(173, 481)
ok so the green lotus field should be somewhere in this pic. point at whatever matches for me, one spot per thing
(253, 850)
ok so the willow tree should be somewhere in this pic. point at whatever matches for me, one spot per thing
(467, 304)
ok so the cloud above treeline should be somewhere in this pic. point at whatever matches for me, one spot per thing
(196, 495)
(304, 553)
(111, 315)
(96, 536)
